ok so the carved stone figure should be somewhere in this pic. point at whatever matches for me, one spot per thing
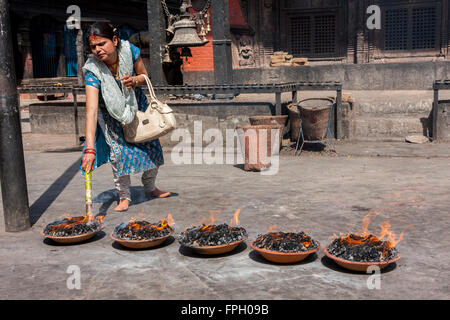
(245, 49)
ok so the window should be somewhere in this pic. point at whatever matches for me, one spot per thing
(301, 35)
(313, 35)
(424, 28)
(396, 26)
(411, 28)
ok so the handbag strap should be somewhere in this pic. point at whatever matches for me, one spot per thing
(150, 87)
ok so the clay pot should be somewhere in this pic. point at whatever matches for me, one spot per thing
(294, 121)
(73, 239)
(315, 115)
(359, 266)
(141, 244)
(284, 257)
(257, 157)
(220, 249)
(270, 120)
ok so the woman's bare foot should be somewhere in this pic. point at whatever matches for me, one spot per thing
(158, 194)
(123, 205)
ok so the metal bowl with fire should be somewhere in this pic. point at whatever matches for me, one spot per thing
(73, 229)
(143, 234)
(285, 247)
(211, 239)
(359, 251)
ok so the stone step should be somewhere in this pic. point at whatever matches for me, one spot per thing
(403, 103)
(396, 128)
(25, 121)
(400, 108)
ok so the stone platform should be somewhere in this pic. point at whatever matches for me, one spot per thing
(318, 192)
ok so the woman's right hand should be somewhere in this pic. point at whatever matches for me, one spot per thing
(88, 162)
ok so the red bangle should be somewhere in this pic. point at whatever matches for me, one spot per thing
(90, 152)
(90, 149)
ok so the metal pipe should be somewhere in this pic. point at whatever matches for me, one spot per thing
(16, 210)
(435, 129)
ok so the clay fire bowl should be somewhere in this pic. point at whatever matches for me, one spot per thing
(284, 257)
(73, 239)
(141, 244)
(359, 266)
(220, 249)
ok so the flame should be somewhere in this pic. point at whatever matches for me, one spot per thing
(72, 221)
(208, 223)
(368, 218)
(170, 220)
(133, 225)
(100, 219)
(163, 223)
(390, 236)
(272, 228)
(211, 219)
(206, 228)
(386, 235)
(235, 219)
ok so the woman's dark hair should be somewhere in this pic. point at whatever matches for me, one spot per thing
(101, 29)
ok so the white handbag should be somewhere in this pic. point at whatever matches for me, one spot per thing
(155, 122)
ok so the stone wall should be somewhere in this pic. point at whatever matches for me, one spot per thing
(375, 114)
(386, 76)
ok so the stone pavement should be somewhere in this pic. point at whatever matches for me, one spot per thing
(317, 192)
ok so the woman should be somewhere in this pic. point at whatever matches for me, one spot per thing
(112, 76)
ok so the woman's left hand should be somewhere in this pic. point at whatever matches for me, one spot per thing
(128, 81)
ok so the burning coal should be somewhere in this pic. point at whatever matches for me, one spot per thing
(73, 226)
(366, 246)
(285, 242)
(211, 235)
(142, 230)
(369, 248)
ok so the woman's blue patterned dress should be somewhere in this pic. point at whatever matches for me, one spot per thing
(130, 158)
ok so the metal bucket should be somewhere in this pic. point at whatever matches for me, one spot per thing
(315, 117)
(256, 153)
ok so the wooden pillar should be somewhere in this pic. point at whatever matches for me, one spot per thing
(361, 41)
(80, 56)
(223, 69)
(270, 25)
(156, 27)
(24, 42)
(61, 70)
(16, 211)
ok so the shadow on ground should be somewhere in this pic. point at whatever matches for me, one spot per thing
(39, 206)
(106, 198)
